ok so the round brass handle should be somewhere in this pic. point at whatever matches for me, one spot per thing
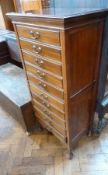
(39, 62)
(44, 96)
(31, 33)
(35, 35)
(46, 105)
(38, 72)
(37, 49)
(41, 74)
(46, 112)
(34, 47)
(42, 84)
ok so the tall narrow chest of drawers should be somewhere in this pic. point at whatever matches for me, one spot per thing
(61, 53)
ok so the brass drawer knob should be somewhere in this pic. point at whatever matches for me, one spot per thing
(46, 105)
(31, 33)
(35, 35)
(42, 84)
(34, 47)
(44, 96)
(37, 49)
(39, 62)
(46, 112)
(41, 74)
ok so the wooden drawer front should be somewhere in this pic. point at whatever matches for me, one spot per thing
(44, 75)
(50, 99)
(42, 35)
(42, 63)
(49, 106)
(42, 50)
(51, 129)
(46, 118)
(56, 119)
(45, 86)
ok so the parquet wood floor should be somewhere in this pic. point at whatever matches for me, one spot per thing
(43, 154)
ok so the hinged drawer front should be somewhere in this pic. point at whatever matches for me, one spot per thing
(45, 86)
(51, 129)
(49, 106)
(56, 119)
(41, 53)
(43, 63)
(40, 73)
(50, 99)
(49, 121)
(41, 50)
(37, 34)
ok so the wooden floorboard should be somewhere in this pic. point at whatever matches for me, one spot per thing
(43, 154)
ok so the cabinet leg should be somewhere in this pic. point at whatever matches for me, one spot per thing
(90, 132)
(100, 125)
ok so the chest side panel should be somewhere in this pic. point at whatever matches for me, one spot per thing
(83, 50)
(84, 54)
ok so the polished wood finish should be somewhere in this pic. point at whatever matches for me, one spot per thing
(50, 99)
(46, 64)
(78, 54)
(46, 87)
(5, 7)
(37, 34)
(84, 55)
(45, 75)
(31, 5)
(42, 50)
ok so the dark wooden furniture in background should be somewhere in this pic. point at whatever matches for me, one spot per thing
(6, 6)
(4, 53)
(102, 97)
(13, 48)
(9, 49)
(61, 51)
(32, 5)
(14, 94)
(15, 97)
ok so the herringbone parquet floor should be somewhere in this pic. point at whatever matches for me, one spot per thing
(43, 154)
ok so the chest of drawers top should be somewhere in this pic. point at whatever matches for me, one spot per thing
(60, 18)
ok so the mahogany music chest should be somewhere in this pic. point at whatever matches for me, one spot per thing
(61, 53)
